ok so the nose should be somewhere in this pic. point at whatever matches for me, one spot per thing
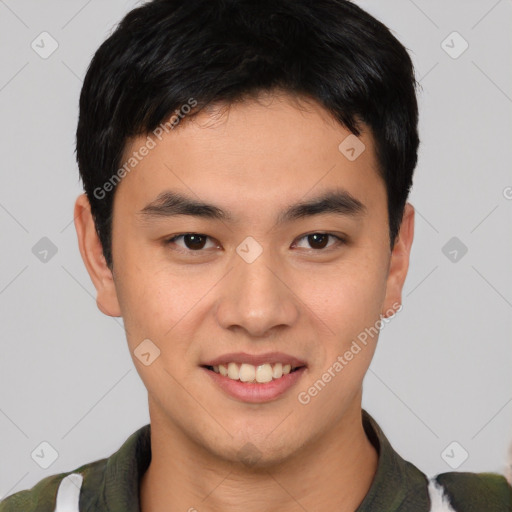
(257, 298)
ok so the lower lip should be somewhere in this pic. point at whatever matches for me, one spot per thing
(256, 392)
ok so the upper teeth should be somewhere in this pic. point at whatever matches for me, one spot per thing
(250, 373)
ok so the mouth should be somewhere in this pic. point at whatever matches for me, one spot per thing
(252, 374)
(255, 378)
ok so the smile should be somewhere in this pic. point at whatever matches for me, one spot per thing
(249, 373)
(252, 390)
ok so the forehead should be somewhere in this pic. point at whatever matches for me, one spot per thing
(256, 152)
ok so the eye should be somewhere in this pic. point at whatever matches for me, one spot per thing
(319, 241)
(193, 241)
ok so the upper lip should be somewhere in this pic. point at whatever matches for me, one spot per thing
(256, 359)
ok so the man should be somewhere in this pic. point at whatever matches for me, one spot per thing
(246, 166)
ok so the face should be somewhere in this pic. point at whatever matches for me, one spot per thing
(290, 263)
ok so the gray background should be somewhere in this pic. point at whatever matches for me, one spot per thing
(442, 369)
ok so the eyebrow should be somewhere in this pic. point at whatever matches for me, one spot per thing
(170, 203)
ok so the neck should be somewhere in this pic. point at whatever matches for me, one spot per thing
(333, 472)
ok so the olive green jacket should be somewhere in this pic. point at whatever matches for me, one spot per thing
(112, 484)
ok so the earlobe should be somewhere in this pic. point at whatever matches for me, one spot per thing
(399, 263)
(94, 260)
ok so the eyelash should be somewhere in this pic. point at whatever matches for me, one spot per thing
(339, 241)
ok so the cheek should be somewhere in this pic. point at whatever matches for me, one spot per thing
(351, 296)
(156, 307)
(349, 303)
(145, 296)
(153, 303)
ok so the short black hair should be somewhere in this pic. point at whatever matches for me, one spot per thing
(168, 54)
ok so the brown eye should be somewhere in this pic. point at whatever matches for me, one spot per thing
(192, 241)
(319, 241)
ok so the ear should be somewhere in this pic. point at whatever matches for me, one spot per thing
(399, 261)
(94, 260)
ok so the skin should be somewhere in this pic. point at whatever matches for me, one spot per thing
(253, 159)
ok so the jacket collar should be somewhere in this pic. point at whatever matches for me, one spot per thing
(398, 486)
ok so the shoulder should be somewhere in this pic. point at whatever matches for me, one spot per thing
(470, 492)
(41, 497)
(55, 493)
